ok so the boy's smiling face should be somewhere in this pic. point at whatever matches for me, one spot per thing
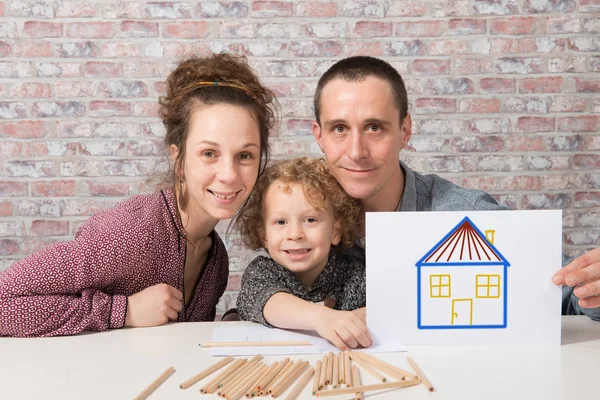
(298, 236)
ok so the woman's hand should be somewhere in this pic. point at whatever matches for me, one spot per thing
(153, 306)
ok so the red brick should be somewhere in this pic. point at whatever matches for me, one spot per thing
(327, 48)
(566, 143)
(403, 8)
(442, 47)
(406, 48)
(497, 85)
(470, 66)
(234, 282)
(535, 124)
(5, 49)
(121, 50)
(471, 144)
(466, 26)
(103, 189)
(513, 26)
(547, 84)
(12, 189)
(525, 143)
(109, 109)
(495, 7)
(91, 30)
(8, 247)
(222, 9)
(53, 188)
(49, 228)
(418, 28)
(587, 85)
(185, 30)
(76, 9)
(30, 89)
(505, 45)
(22, 129)
(33, 49)
(566, 104)
(268, 9)
(434, 105)
(563, 24)
(568, 64)
(546, 201)
(362, 48)
(6, 208)
(548, 6)
(587, 199)
(431, 67)
(315, 9)
(579, 124)
(549, 163)
(139, 29)
(478, 105)
(521, 183)
(586, 161)
(589, 5)
(518, 65)
(372, 29)
(1, 9)
(39, 29)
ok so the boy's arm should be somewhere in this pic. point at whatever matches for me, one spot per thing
(354, 295)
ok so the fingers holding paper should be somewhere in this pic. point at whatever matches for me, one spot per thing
(344, 329)
(583, 272)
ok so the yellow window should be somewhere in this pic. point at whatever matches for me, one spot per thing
(487, 286)
(439, 285)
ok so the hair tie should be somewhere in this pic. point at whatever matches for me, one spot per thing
(231, 85)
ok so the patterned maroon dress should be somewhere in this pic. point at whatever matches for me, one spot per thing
(83, 284)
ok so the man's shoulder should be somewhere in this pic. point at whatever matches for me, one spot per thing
(435, 193)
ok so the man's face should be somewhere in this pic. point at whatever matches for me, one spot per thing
(361, 136)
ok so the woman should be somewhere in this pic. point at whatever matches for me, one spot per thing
(156, 258)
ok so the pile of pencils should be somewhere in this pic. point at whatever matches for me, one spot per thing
(253, 377)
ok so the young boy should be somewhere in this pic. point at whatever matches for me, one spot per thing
(300, 214)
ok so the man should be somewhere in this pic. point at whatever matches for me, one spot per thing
(362, 123)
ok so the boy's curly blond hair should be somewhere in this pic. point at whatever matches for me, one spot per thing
(320, 188)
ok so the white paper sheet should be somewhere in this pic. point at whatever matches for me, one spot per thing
(434, 280)
(259, 333)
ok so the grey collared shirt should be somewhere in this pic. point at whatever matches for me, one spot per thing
(432, 193)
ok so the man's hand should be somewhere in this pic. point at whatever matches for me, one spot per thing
(345, 329)
(153, 306)
(584, 270)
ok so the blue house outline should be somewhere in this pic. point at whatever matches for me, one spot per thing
(421, 263)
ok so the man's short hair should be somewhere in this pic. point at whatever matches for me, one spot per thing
(358, 68)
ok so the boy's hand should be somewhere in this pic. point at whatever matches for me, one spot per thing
(345, 329)
(584, 270)
(361, 313)
(153, 306)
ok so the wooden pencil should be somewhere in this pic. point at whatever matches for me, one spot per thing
(155, 384)
(242, 387)
(205, 373)
(301, 384)
(383, 366)
(335, 377)
(316, 379)
(257, 344)
(236, 378)
(368, 388)
(348, 370)
(367, 367)
(356, 382)
(329, 375)
(287, 382)
(341, 367)
(214, 384)
(285, 376)
(323, 372)
(419, 372)
(271, 375)
(283, 372)
(254, 388)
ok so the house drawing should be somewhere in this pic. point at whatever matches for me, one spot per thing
(462, 282)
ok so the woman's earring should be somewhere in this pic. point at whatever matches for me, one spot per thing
(181, 187)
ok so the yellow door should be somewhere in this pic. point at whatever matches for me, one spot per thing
(462, 312)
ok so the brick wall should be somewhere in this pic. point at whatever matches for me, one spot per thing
(504, 97)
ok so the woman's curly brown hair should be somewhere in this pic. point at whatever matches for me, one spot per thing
(236, 84)
(321, 190)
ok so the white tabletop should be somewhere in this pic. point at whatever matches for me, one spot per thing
(118, 364)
